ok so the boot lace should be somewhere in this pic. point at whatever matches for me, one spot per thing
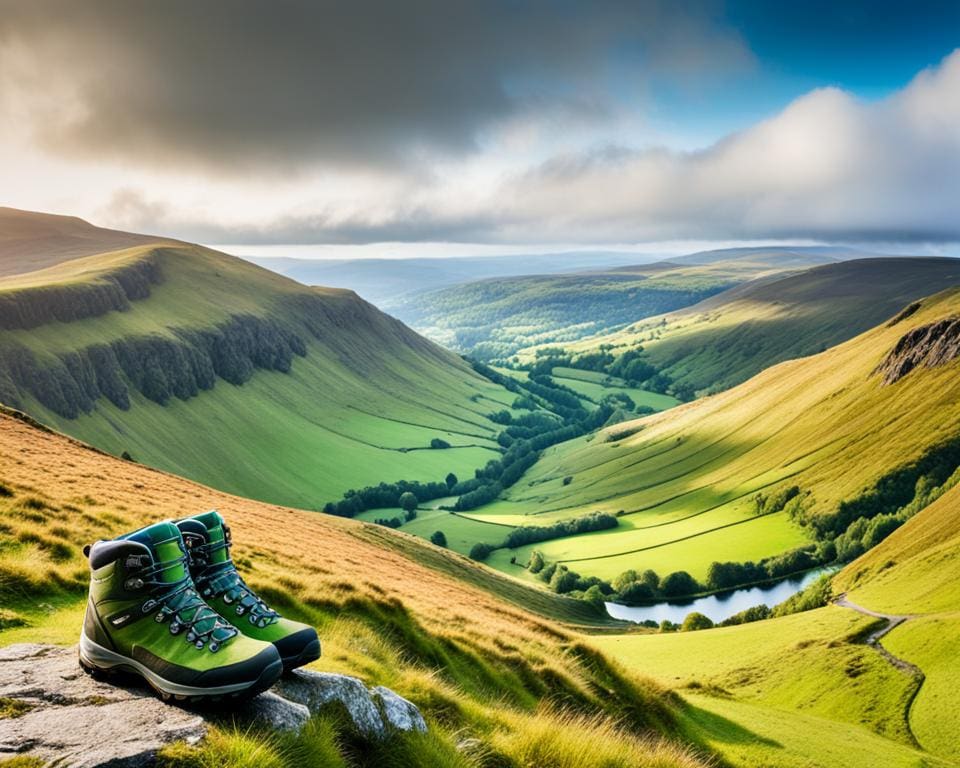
(179, 603)
(222, 579)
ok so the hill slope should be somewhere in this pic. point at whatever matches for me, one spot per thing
(492, 319)
(31, 241)
(791, 458)
(203, 364)
(443, 632)
(734, 335)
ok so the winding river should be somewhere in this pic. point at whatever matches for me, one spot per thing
(719, 606)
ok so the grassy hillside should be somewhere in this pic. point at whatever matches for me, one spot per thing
(800, 689)
(203, 364)
(449, 635)
(31, 241)
(792, 458)
(732, 336)
(492, 319)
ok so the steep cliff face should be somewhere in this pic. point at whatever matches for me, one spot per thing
(928, 346)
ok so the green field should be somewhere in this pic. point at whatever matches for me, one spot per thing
(596, 386)
(362, 405)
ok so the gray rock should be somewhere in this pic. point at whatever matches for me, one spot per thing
(76, 721)
(79, 722)
(376, 713)
(317, 690)
(273, 711)
(397, 711)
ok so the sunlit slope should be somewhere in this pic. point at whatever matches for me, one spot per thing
(686, 479)
(728, 338)
(450, 635)
(31, 241)
(203, 364)
(916, 572)
(792, 681)
(494, 318)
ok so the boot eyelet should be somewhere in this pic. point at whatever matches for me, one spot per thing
(198, 645)
(132, 585)
(191, 636)
(175, 627)
(241, 610)
(214, 647)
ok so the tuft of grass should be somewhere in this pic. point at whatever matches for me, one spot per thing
(10, 708)
(564, 740)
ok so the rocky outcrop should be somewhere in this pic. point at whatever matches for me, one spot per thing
(52, 710)
(926, 346)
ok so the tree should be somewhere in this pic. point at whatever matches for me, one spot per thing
(679, 583)
(536, 562)
(451, 480)
(636, 592)
(439, 444)
(408, 502)
(695, 621)
(438, 538)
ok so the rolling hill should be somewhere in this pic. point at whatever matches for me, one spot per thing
(203, 364)
(493, 319)
(812, 458)
(449, 635)
(727, 338)
(30, 241)
(386, 282)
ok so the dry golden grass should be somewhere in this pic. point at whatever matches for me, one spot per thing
(479, 667)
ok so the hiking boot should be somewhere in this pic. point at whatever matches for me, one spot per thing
(144, 616)
(207, 539)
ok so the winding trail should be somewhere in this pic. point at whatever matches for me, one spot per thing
(873, 640)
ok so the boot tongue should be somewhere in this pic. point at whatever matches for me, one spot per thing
(164, 542)
(214, 524)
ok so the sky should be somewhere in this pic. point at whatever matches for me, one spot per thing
(434, 126)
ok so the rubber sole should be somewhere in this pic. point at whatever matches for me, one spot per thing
(310, 652)
(99, 661)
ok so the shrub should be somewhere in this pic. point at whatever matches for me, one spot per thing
(755, 613)
(438, 538)
(695, 621)
(481, 551)
(439, 444)
(816, 595)
(636, 592)
(408, 501)
(451, 480)
(568, 479)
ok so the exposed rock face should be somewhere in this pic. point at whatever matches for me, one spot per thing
(928, 346)
(61, 714)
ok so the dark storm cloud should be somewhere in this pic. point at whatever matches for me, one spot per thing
(242, 85)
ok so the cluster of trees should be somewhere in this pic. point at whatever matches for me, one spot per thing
(114, 290)
(729, 575)
(407, 494)
(532, 534)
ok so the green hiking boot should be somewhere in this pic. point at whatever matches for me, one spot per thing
(144, 616)
(207, 538)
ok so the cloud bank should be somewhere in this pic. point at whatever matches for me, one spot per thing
(379, 121)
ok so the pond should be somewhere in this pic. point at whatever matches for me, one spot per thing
(720, 606)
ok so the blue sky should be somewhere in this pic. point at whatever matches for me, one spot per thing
(495, 123)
